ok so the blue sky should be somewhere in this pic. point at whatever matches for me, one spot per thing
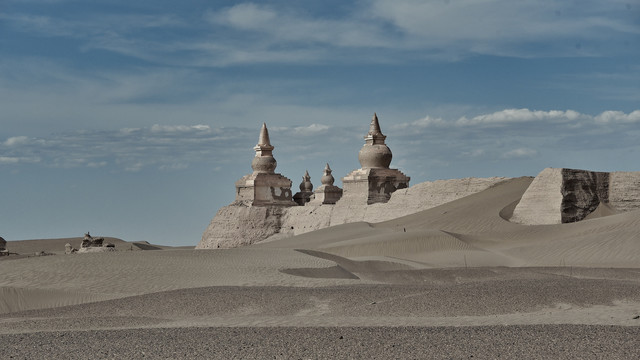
(134, 119)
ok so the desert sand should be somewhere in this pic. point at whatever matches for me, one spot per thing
(454, 281)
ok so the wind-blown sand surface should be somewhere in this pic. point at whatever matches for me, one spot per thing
(453, 281)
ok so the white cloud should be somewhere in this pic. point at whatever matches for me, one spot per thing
(179, 128)
(510, 116)
(256, 33)
(9, 160)
(618, 117)
(474, 153)
(520, 153)
(16, 140)
(523, 134)
(288, 25)
(309, 130)
(502, 26)
(426, 121)
(165, 147)
(515, 117)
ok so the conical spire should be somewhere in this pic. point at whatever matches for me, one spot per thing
(374, 128)
(375, 136)
(264, 136)
(264, 162)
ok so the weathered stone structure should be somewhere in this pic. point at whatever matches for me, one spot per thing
(374, 182)
(91, 244)
(3, 247)
(377, 193)
(327, 193)
(68, 249)
(567, 195)
(306, 190)
(264, 187)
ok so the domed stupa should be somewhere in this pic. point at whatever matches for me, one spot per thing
(264, 187)
(327, 193)
(374, 181)
(306, 190)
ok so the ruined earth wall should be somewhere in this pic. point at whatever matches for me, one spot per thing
(568, 195)
(237, 225)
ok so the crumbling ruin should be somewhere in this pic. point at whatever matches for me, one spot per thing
(558, 196)
(90, 244)
(3, 247)
(264, 206)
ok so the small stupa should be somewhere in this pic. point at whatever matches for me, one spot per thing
(264, 187)
(306, 190)
(374, 182)
(327, 193)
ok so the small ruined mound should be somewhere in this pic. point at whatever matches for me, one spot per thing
(57, 245)
(558, 196)
(3, 247)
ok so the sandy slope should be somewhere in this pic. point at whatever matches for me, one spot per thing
(473, 231)
(118, 274)
(432, 270)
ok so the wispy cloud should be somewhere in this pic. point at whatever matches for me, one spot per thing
(520, 153)
(160, 147)
(517, 117)
(523, 134)
(163, 147)
(510, 116)
(267, 33)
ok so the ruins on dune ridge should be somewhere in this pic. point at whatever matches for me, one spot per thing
(266, 209)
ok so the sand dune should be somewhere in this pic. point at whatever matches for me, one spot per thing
(462, 263)
(473, 231)
(121, 274)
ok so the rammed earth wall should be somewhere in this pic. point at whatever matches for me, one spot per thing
(568, 195)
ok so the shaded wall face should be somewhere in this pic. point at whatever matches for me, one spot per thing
(381, 188)
(582, 192)
(568, 195)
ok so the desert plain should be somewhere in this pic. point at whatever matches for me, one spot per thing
(455, 281)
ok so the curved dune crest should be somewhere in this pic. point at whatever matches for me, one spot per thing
(473, 231)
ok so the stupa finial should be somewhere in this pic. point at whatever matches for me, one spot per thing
(306, 185)
(374, 128)
(327, 178)
(264, 162)
(375, 135)
(264, 136)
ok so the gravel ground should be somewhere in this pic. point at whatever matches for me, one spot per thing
(487, 342)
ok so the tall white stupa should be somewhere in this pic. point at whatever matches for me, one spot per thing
(374, 182)
(264, 187)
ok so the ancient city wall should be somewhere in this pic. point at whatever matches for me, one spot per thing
(237, 225)
(567, 195)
